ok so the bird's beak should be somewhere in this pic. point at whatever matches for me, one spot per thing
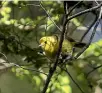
(41, 45)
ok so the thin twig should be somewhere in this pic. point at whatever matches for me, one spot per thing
(95, 68)
(29, 69)
(7, 61)
(66, 70)
(49, 16)
(88, 29)
(14, 64)
(93, 33)
(91, 38)
(96, 2)
(96, 27)
(40, 5)
(85, 11)
(73, 8)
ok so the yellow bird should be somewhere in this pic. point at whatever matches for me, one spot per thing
(50, 45)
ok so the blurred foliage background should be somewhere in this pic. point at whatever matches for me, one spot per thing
(22, 24)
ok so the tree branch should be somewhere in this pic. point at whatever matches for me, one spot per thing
(91, 38)
(95, 68)
(85, 11)
(66, 70)
(49, 16)
(89, 28)
(53, 68)
(73, 8)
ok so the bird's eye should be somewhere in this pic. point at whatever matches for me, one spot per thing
(45, 42)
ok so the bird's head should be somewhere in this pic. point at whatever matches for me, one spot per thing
(44, 42)
(49, 44)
